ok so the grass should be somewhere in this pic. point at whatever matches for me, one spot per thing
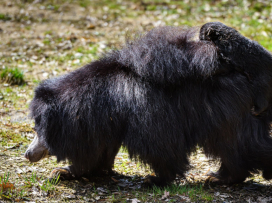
(16, 185)
(12, 76)
(4, 17)
(12, 192)
(49, 185)
(173, 193)
(46, 41)
(195, 192)
(5, 179)
(6, 188)
(13, 135)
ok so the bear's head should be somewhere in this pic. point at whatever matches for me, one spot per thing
(37, 150)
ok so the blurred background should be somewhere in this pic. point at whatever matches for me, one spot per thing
(41, 39)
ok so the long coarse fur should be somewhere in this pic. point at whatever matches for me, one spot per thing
(160, 96)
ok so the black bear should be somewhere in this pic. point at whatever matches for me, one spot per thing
(160, 96)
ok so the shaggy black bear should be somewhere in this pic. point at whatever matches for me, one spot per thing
(160, 96)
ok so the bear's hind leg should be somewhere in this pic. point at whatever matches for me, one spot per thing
(158, 181)
(224, 177)
(166, 171)
(267, 174)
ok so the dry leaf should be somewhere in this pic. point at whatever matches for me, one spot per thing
(114, 180)
(6, 186)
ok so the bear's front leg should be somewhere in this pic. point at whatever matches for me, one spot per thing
(70, 173)
(62, 173)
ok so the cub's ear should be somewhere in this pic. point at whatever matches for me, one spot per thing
(210, 31)
(216, 31)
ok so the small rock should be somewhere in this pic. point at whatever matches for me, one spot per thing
(9, 4)
(90, 26)
(69, 196)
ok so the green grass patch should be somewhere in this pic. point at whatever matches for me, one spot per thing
(195, 192)
(13, 134)
(12, 76)
(4, 17)
(47, 41)
(84, 3)
(48, 32)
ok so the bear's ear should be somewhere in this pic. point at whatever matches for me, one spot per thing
(44, 93)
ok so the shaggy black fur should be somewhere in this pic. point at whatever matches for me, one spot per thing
(161, 96)
(245, 56)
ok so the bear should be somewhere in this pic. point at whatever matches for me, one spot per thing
(160, 96)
